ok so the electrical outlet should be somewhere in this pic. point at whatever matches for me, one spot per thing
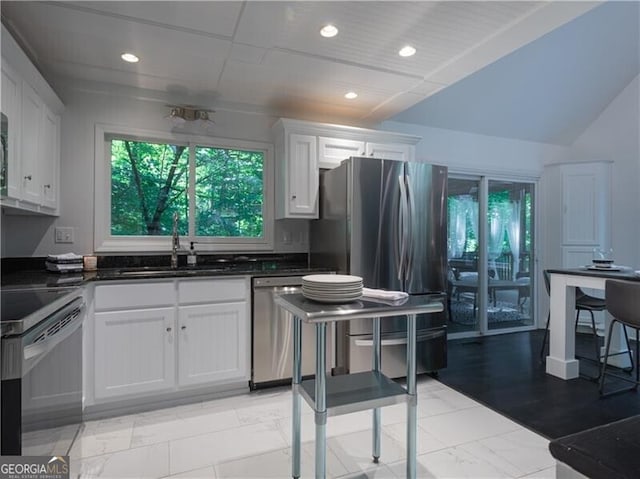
(64, 234)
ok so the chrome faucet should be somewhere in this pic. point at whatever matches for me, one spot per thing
(175, 242)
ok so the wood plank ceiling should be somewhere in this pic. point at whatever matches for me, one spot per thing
(269, 57)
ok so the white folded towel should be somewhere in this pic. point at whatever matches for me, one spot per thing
(382, 294)
(62, 268)
(64, 257)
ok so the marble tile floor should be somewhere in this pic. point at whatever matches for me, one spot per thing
(249, 436)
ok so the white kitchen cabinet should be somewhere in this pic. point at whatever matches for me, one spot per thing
(214, 331)
(164, 338)
(11, 107)
(297, 176)
(303, 177)
(134, 352)
(32, 109)
(212, 343)
(50, 158)
(390, 151)
(578, 211)
(585, 203)
(332, 151)
(31, 144)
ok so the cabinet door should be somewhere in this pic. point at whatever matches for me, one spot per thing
(331, 151)
(134, 351)
(585, 204)
(11, 106)
(31, 131)
(213, 343)
(303, 176)
(390, 151)
(50, 158)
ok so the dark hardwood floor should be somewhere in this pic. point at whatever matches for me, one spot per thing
(504, 373)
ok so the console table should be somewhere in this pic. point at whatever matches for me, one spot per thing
(335, 395)
(561, 361)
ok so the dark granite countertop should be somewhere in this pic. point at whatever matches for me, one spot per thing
(609, 451)
(146, 268)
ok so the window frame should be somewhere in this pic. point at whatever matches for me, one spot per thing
(104, 241)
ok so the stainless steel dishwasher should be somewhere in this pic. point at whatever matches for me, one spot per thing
(272, 330)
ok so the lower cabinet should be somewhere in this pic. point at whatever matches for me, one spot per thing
(155, 338)
(210, 345)
(134, 351)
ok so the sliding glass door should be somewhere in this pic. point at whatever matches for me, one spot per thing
(509, 254)
(462, 253)
(490, 274)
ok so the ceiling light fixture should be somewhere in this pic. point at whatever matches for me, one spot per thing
(129, 57)
(328, 31)
(351, 95)
(180, 115)
(407, 51)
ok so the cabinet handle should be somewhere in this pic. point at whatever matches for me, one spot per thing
(183, 327)
(47, 186)
(168, 329)
(293, 197)
(27, 177)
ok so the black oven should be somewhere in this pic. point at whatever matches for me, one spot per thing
(41, 386)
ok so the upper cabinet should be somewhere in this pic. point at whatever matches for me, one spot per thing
(583, 220)
(302, 148)
(390, 151)
(31, 135)
(11, 87)
(331, 151)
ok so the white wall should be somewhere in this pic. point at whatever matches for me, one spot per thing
(480, 154)
(615, 136)
(33, 235)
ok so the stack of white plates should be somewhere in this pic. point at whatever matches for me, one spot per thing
(332, 288)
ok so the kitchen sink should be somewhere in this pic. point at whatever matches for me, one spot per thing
(149, 272)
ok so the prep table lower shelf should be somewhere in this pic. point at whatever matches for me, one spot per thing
(355, 392)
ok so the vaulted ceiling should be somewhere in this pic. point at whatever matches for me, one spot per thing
(549, 90)
(269, 57)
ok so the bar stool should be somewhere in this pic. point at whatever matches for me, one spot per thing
(623, 302)
(584, 302)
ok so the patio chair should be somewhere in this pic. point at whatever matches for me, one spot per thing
(623, 302)
(524, 292)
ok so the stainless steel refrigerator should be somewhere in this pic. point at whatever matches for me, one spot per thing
(386, 221)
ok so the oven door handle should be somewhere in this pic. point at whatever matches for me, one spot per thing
(34, 352)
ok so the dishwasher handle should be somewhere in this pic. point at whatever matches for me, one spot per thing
(276, 282)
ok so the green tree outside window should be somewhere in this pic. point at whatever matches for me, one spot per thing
(150, 182)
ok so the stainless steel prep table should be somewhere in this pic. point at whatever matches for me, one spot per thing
(337, 395)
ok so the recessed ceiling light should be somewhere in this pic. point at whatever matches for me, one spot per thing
(407, 51)
(328, 31)
(351, 95)
(129, 57)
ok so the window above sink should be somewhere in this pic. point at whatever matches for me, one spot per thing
(220, 188)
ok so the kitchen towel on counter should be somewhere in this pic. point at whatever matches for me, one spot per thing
(65, 258)
(384, 295)
(64, 263)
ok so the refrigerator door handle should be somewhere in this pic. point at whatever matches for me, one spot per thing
(411, 234)
(402, 228)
